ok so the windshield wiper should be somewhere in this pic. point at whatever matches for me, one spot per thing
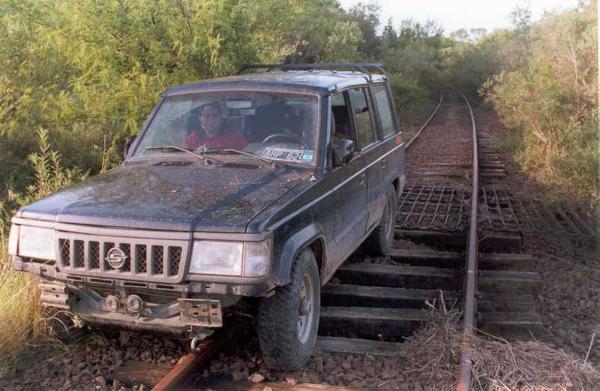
(172, 148)
(231, 150)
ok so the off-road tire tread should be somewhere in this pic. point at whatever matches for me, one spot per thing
(276, 329)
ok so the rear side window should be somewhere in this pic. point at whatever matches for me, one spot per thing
(385, 110)
(362, 117)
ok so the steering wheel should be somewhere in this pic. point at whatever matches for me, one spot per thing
(281, 135)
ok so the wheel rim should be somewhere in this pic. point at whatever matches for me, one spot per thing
(305, 309)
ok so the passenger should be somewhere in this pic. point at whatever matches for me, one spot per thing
(213, 133)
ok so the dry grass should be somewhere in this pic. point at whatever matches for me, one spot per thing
(21, 315)
(497, 364)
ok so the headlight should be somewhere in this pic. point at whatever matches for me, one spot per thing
(13, 239)
(257, 258)
(36, 242)
(249, 259)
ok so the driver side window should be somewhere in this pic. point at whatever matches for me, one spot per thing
(340, 118)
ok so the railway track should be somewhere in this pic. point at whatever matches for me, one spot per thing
(371, 304)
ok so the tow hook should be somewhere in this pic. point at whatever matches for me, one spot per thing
(200, 335)
(195, 344)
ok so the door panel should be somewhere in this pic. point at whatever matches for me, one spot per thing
(376, 185)
(350, 204)
(368, 135)
(351, 194)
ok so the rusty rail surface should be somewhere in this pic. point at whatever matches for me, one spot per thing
(433, 113)
(469, 305)
(194, 361)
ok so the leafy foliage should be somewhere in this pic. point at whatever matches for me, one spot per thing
(21, 313)
(414, 57)
(550, 98)
(91, 71)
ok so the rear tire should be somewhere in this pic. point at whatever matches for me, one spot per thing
(288, 320)
(381, 240)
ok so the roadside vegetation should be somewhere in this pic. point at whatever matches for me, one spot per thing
(89, 73)
(542, 80)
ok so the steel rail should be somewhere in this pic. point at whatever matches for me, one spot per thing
(433, 113)
(472, 263)
(193, 361)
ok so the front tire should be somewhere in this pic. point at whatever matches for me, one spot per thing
(381, 240)
(288, 320)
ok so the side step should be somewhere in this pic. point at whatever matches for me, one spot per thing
(490, 241)
(359, 346)
(368, 322)
(398, 276)
(509, 281)
(428, 257)
(510, 324)
(503, 241)
(505, 261)
(432, 237)
(378, 296)
(505, 302)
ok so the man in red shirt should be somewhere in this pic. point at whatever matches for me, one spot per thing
(212, 133)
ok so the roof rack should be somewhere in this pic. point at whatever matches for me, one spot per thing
(367, 68)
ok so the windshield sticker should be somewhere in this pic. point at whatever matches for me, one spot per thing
(294, 155)
(308, 156)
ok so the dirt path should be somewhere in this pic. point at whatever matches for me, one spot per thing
(443, 152)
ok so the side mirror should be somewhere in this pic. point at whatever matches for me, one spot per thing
(343, 150)
(128, 141)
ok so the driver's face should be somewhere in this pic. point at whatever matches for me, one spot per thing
(210, 120)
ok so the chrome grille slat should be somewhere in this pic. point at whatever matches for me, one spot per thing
(157, 260)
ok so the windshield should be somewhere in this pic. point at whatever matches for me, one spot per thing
(276, 126)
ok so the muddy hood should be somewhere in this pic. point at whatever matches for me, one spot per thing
(163, 196)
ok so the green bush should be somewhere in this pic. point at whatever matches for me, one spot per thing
(552, 100)
(22, 319)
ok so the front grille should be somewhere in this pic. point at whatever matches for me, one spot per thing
(174, 254)
(144, 259)
(140, 259)
(157, 260)
(78, 260)
(65, 250)
(94, 255)
(126, 248)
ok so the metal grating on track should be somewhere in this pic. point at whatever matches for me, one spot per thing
(436, 208)
(500, 211)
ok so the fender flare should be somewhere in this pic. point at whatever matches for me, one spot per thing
(294, 245)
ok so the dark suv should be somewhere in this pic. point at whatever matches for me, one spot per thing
(258, 185)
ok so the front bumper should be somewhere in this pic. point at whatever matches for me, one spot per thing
(189, 308)
(177, 315)
(256, 288)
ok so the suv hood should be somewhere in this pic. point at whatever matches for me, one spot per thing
(172, 195)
